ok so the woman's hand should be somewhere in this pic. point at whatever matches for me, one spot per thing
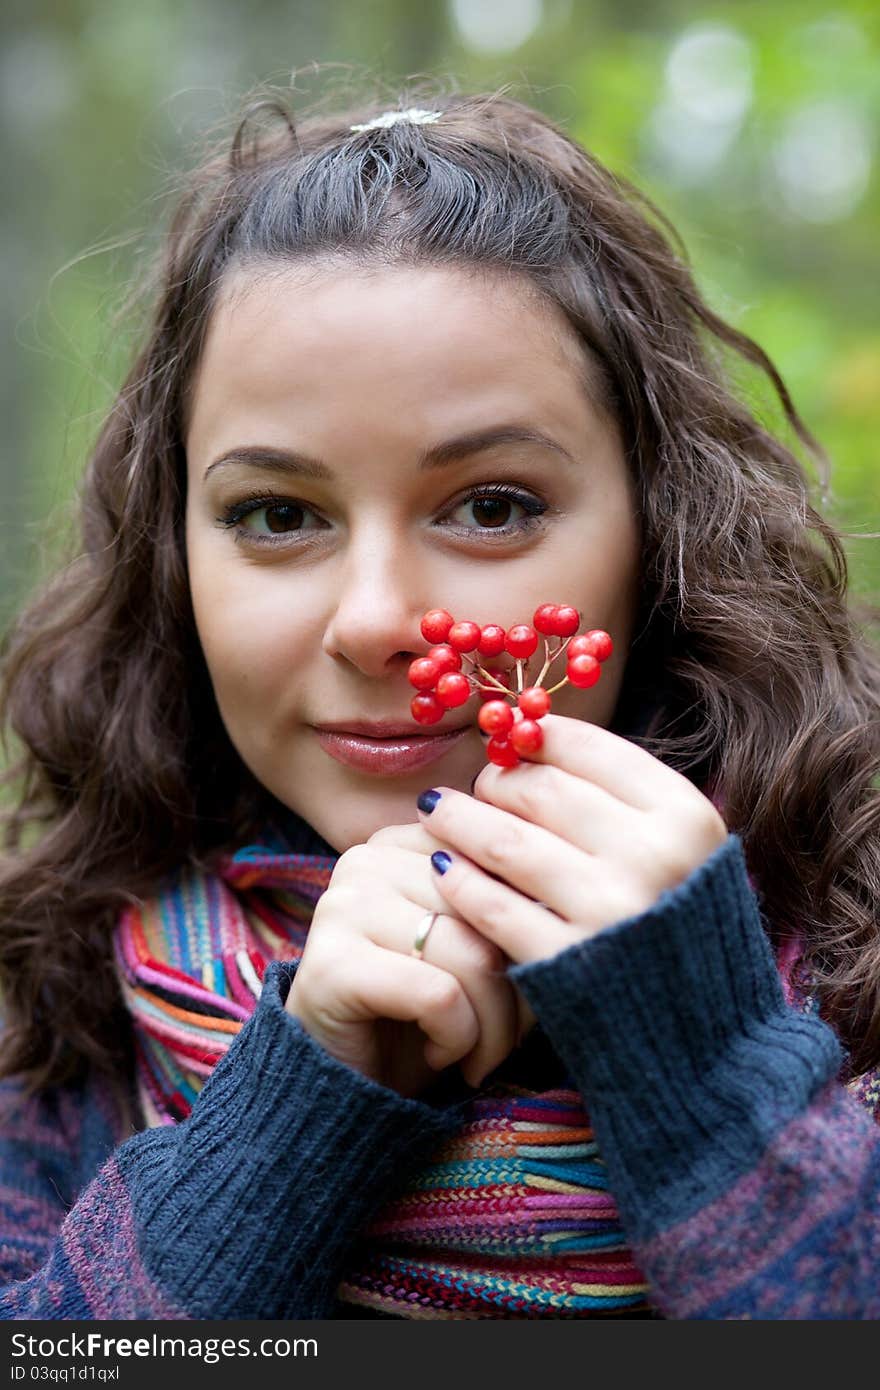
(587, 832)
(370, 1003)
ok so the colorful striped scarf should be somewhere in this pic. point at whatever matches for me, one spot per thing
(511, 1218)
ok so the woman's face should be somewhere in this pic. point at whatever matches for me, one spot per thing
(364, 388)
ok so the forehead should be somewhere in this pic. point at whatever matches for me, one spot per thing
(429, 343)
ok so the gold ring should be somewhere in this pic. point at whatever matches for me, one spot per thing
(425, 926)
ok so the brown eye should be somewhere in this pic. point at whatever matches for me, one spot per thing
(490, 508)
(286, 517)
(492, 511)
(283, 517)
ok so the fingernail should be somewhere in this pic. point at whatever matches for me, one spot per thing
(428, 800)
(440, 861)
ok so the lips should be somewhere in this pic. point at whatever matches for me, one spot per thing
(390, 754)
(380, 729)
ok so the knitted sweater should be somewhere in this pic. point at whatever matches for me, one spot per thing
(746, 1173)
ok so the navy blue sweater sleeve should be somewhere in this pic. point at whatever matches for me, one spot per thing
(748, 1180)
(249, 1207)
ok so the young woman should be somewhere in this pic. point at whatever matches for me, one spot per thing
(311, 1011)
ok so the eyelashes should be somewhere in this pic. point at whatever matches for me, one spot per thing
(236, 513)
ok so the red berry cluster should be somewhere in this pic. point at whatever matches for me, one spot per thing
(514, 728)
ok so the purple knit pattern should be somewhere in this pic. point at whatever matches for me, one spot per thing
(101, 1249)
(793, 1216)
(76, 1263)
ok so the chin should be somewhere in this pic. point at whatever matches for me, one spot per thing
(352, 829)
(359, 819)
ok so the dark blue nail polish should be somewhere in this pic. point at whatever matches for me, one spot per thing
(428, 800)
(440, 861)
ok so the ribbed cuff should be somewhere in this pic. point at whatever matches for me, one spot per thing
(674, 1027)
(248, 1208)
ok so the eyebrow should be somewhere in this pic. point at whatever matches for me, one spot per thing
(452, 451)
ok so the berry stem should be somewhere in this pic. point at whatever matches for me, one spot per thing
(492, 691)
(547, 660)
(519, 673)
(558, 686)
(493, 683)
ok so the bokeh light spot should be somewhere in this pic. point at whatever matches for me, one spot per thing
(496, 26)
(822, 160)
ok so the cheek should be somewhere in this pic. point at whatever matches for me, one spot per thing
(249, 633)
(593, 563)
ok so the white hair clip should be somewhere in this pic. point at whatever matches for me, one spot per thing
(414, 114)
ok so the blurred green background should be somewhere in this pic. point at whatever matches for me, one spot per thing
(753, 125)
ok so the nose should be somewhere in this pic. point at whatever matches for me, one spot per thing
(377, 608)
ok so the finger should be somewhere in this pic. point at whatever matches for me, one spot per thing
(525, 856)
(570, 807)
(523, 929)
(414, 837)
(391, 985)
(480, 966)
(611, 762)
(659, 848)
(401, 876)
(454, 946)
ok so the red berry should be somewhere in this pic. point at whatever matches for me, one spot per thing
(453, 689)
(464, 636)
(495, 717)
(534, 701)
(579, 646)
(544, 618)
(527, 736)
(491, 640)
(426, 709)
(568, 620)
(423, 673)
(521, 640)
(499, 675)
(445, 658)
(583, 671)
(436, 625)
(501, 752)
(592, 644)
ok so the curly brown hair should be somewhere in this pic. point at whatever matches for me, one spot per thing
(770, 687)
